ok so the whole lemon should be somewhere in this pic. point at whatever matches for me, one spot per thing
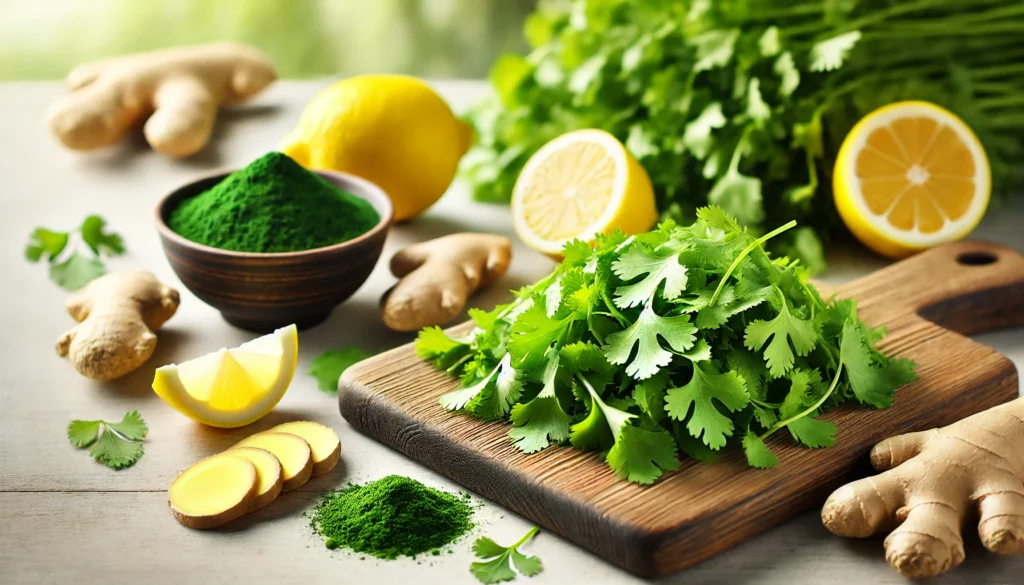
(393, 130)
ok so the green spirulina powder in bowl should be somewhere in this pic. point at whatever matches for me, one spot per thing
(273, 205)
(391, 517)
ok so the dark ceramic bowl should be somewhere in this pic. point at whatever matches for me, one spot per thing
(261, 292)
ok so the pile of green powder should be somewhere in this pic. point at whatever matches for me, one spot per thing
(391, 517)
(273, 205)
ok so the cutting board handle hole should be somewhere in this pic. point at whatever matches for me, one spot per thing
(976, 258)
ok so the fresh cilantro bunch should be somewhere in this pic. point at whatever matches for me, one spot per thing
(680, 340)
(71, 266)
(744, 103)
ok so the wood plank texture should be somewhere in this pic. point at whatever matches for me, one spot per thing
(700, 510)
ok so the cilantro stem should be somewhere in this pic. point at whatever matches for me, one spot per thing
(756, 243)
(810, 409)
(526, 537)
(614, 311)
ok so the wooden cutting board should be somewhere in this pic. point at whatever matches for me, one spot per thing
(928, 302)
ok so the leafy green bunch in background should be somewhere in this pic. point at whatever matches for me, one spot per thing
(744, 103)
(680, 339)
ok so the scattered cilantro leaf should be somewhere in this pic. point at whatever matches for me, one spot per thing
(495, 566)
(76, 272)
(99, 239)
(71, 267)
(44, 242)
(329, 365)
(117, 445)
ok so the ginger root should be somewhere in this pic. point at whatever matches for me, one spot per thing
(117, 315)
(933, 482)
(181, 87)
(438, 276)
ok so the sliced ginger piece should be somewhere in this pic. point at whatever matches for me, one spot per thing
(291, 450)
(214, 491)
(323, 442)
(270, 476)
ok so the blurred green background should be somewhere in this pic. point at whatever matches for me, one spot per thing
(44, 39)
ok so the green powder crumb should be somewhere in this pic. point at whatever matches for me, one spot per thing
(273, 205)
(391, 517)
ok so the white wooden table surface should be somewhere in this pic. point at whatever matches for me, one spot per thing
(67, 519)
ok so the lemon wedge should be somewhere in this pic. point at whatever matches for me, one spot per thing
(578, 185)
(232, 387)
(910, 176)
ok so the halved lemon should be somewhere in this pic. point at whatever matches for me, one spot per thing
(910, 176)
(580, 184)
(232, 387)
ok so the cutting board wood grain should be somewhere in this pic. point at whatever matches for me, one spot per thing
(928, 303)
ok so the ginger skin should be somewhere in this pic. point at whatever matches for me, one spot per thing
(179, 89)
(438, 276)
(117, 315)
(933, 483)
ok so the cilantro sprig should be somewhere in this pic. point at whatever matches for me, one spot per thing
(498, 561)
(680, 341)
(117, 445)
(74, 257)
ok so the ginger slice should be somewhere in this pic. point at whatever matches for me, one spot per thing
(214, 491)
(291, 450)
(323, 442)
(268, 472)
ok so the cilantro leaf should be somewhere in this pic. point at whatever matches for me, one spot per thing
(789, 75)
(328, 367)
(497, 568)
(491, 397)
(131, 427)
(757, 452)
(701, 393)
(98, 239)
(813, 432)
(714, 48)
(82, 433)
(532, 335)
(641, 456)
(435, 345)
(868, 382)
(644, 334)
(541, 421)
(117, 445)
(655, 268)
(114, 451)
(828, 55)
(44, 242)
(783, 329)
(697, 136)
(76, 272)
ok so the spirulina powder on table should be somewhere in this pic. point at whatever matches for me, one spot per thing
(391, 517)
